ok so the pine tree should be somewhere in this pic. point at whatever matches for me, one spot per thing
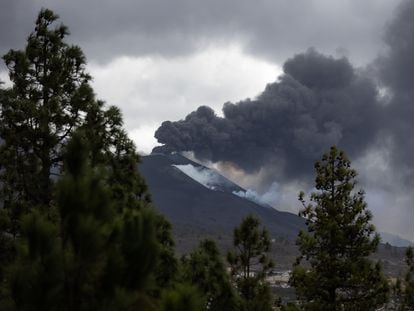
(409, 280)
(183, 297)
(334, 271)
(49, 94)
(35, 279)
(204, 268)
(249, 264)
(167, 268)
(50, 100)
(93, 257)
(403, 291)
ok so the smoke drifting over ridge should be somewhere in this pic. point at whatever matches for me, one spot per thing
(319, 101)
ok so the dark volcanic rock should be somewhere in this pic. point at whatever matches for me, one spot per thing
(197, 212)
(191, 206)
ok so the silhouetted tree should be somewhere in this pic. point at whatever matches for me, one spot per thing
(50, 93)
(204, 268)
(93, 256)
(337, 273)
(249, 263)
(98, 218)
(403, 291)
(49, 99)
(409, 280)
(183, 297)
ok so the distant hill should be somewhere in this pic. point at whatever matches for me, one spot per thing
(200, 201)
(395, 240)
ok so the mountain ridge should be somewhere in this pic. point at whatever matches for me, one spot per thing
(201, 200)
(187, 202)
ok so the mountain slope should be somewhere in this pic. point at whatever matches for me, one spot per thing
(196, 211)
(395, 240)
(193, 205)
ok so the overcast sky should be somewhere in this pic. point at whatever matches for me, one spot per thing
(161, 59)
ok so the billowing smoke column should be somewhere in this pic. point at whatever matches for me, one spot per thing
(318, 101)
(396, 72)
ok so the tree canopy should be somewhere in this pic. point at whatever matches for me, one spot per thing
(334, 271)
(78, 229)
(204, 268)
(89, 258)
(249, 262)
(49, 99)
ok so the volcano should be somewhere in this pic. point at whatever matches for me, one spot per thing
(200, 202)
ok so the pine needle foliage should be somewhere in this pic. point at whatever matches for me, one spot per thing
(249, 263)
(334, 271)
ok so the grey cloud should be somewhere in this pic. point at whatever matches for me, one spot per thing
(12, 24)
(271, 29)
(16, 21)
(397, 66)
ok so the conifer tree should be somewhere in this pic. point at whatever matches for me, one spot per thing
(183, 297)
(249, 264)
(167, 266)
(403, 291)
(334, 271)
(50, 91)
(409, 280)
(93, 257)
(204, 268)
(50, 99)
(35, 279)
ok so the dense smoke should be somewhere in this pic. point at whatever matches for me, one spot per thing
(318, 101)
(396, 73)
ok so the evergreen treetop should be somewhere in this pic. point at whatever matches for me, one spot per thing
(72, 199)
(49, 99)
(249, 262)
(93, 257)
(204, 268)
(334, 271)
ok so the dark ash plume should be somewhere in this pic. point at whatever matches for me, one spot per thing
(396, 73)
(317, 102)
